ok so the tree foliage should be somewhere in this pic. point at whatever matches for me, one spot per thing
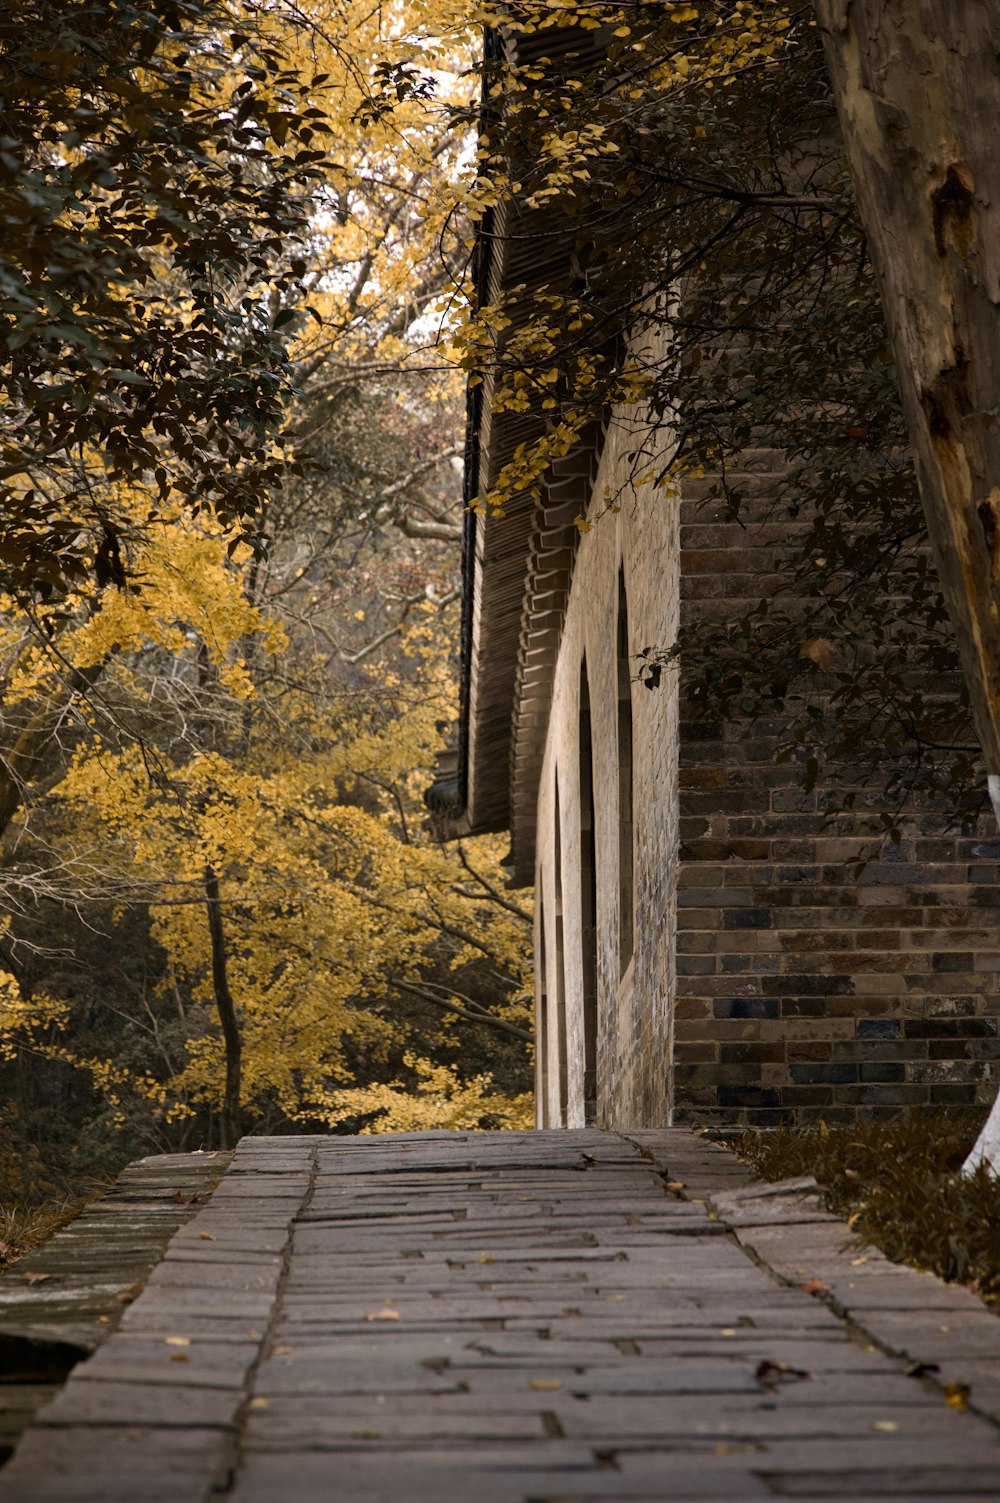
(224, 632)
(692, 174)
(154, 161)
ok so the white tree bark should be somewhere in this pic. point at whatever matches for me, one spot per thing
(917, 86)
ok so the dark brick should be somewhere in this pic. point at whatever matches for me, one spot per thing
(987, 850)
(810, 1049)
(803, 1007)
(879, 1028)
(745, 1007)
(792, 801)
(824, 1074)
(952, 960)
(883, 1071)
(812, 986)
(984, 897)
(696, 965)
(868, 1051)
(701, 730)
(953, 1048)
(949, 1028)
(887, 1095)
(758, 1096)
(807, 1097)
(952, 1095)
(739, 1054)
(747, 918)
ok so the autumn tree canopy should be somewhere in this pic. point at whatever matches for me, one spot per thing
(235, 330)
(228, 591)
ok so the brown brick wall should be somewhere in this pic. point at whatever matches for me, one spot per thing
(802, 989)
(767, 980)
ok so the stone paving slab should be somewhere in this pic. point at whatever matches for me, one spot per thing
(62, 1300)
(522, 1318)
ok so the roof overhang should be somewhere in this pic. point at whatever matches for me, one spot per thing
(517, 568)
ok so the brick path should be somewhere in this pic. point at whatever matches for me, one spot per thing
(520, 1318)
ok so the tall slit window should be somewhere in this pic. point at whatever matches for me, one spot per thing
(588, 902)
(626, 829)
(542, 1022)
(562, 1061)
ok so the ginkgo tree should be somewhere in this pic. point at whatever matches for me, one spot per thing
(214, 747)
(272, 833)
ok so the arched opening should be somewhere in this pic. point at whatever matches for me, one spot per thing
(588, 901)
(542, 1021)
(626, 832)
(562, 1063)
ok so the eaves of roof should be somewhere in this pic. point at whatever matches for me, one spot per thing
(516, 569)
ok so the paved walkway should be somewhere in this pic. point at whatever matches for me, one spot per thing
(521, 1318)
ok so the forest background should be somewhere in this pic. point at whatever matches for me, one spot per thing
(239, 314)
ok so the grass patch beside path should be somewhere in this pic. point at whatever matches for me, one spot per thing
(897, 1182)
(24, 1227)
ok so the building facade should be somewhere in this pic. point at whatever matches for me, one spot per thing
(705, 946)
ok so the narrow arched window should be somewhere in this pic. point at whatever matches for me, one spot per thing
(588, 901)
(542, 1020)
(561, 1043)
(626, 829)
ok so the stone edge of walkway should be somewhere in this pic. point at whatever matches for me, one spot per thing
(942, 1332)
(186, 1450)
(61, 1300)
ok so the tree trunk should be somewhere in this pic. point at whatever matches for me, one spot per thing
(231, 1124)
(918, 94)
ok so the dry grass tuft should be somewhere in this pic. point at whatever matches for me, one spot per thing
(897, 1181)
(23, 1227)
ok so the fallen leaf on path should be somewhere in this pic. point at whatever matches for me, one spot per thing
(258, 1404)
(382, 1315)
(36, 1278)
(179, 1357)
(676, 1185)
(206, 1236)
(544, 1385)
(885, 1426)
(814, 1286)
(131, 1293)
(770, 1374)
(184, 1200)
(177, 1340)
(956, 1395)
